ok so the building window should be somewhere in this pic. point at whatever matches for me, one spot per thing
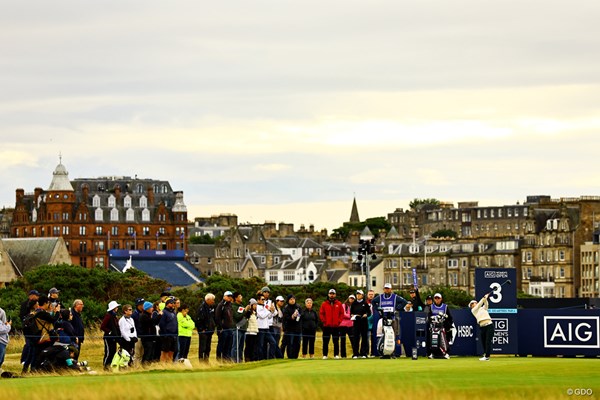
(114, 230)
(114, 214)
(311, 276)
(145, 215)
(66, 230)
(273, 276)
(130, 215)
(289, 275)
(96, 201)
(373, 281)
(407, 263)
(82, 231)
(98, 214)
(99, 230)
(127, 202)
(112, 201)
(143, 202)
(561, 255)
(139, 188)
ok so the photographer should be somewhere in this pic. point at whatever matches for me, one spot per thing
(128, 332)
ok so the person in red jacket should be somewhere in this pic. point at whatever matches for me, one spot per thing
(331, 314)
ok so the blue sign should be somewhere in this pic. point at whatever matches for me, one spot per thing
(559, 332)
(147, 254)
(501, 284)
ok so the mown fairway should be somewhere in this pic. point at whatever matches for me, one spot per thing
(460, 377)
(503, 377)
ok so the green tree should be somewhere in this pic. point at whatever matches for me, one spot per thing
(443, 233)
(95, 286)
(375, 224)
(418, 204)
(204, 239)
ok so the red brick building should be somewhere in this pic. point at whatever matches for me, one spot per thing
(97, 214)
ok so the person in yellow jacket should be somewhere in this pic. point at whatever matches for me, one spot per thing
(186, 326)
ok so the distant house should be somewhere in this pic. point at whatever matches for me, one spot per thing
(301, 271)
(18, 256)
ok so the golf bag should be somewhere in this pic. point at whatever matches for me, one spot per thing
(386, 344)
(439, 341)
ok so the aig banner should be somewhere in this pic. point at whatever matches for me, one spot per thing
(501, 284)
(559, 332)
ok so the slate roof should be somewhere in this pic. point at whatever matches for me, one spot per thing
(29, 253)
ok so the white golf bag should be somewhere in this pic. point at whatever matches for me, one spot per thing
(386, 344)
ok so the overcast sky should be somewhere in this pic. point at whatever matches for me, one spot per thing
(285, 110)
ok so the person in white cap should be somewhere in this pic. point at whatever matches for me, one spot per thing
(390, 304)
(439, 308)
(486, 325)
(112, 333)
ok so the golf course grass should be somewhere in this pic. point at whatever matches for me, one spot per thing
(504, 377)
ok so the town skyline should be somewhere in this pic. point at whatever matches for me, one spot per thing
(286, 112)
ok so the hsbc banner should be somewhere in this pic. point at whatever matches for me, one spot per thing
(559, 332)
(501, 284)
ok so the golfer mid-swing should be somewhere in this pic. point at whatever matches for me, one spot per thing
(486, 326)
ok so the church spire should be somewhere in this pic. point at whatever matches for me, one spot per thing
(354, 213)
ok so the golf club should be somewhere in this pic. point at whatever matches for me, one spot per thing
(508, 281)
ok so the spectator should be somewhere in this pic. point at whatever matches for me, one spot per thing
(225, 326)
(77, 322)
(428, 303)
(157, 314)
(309, 321)
(331, 314)
(5, 327)
(64, 327)
(437, 308)
(360, 312)
(112, 333)
(277, 326)
(185, 328)
(168, 331)
(346, 324)
(265, 338)
(24, 310)
(292, 327)
(415, 300)
(390, 304)
(128, 332)
(372, 327)
(150, 340)
(53, 295)
(205, 324)
(251, 333)
(486, 326)
(240, 320)
(138, 347)
(25, 306)
(270, 305)
(29, 349)
(45, 320)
